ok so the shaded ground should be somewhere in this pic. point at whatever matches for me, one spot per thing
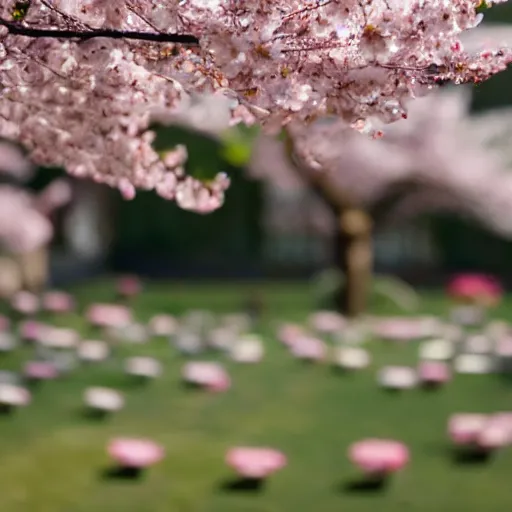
(53, 457)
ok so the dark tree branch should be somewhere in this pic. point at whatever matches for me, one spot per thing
(18, 29)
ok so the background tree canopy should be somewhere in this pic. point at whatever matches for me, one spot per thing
(154, 236)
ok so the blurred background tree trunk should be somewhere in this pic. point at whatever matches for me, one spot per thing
(10, 276)
(34, 268)
(353, 251)
(353, 256)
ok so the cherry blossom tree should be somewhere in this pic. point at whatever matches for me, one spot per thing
(25, 221)
(439, 160)
(80, 80)
(13, 163)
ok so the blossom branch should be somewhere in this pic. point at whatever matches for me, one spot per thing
(160, 37)
(89, 107)
(307, 9)
(65, 16)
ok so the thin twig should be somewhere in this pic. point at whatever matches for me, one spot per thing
(132, 9)
(307, 9)
(65, 16)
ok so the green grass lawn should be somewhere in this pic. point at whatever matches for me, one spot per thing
(52, 459)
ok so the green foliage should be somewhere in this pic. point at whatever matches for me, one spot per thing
(208, 155)
(20, 10)
(205, 158)
(483, 6)
(237, 144)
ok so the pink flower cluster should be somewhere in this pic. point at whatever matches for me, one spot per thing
(255, 462)
(309, 348)
(86, 103)
(109, 315)
(25, 303)
(475, 288)
(434, 373)
(379, 457)
(135, 453)
(58, 302)
(210, 376)
(40, 370)
(413, 163)
(400, 329)
(32, 228)
(481, 431)
(30, 330)
(129, 286)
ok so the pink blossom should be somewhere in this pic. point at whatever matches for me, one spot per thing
(502, 421)
(25, 302)
(103, 399)
(40, 370)
(413, 163)
(247, 349)
(211, 376)
(400, 329)
(163, 325)
(495, 434)
(135, 453)
(14, 396)
(351, 358)
(289, 333)
(327, 322)
(465, 428)
(434, 372)
(31, 330)
(309, 348)
(32, 228)
(93, 350)
(143, 367)
(257, 463)
(127, 190)
(220, 384)
(397, 377)
(129, 286)
(85, 103)
(13, 162)
(504, 347)
(58, 302)
(379, 456)
(55, 196)
(109, 315)
(476, 288)
(58, 337)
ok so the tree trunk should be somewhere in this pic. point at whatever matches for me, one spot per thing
(10, 277)
(34, 269)
(354, 256)
(353, 251)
